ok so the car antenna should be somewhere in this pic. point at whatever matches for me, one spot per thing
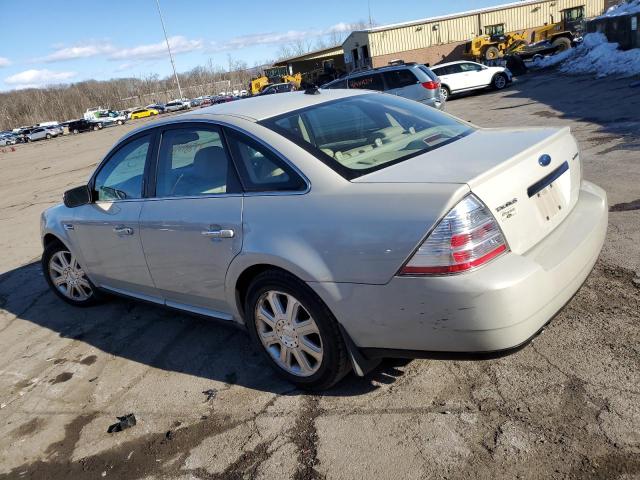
(312, 90)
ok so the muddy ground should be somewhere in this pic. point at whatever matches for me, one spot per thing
(565, 406)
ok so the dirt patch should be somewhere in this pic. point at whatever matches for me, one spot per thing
(28, 428)
(305, 437)
(625, 207)
(90, 360)
(546, 114)
(61, 378)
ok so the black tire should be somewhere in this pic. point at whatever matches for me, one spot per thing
(48, 136)
(335, 363)
(445, 93)
(499, 81)
(48, 253)
(75, 131)
(491, 53)
(561, 44)
(120, 122)
(95, 128)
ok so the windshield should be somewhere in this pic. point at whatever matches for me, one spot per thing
(360, 134)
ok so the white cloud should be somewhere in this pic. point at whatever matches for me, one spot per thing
(82, 51)
(275, 38)
(37, 78)
(179, 44)
(4, 62)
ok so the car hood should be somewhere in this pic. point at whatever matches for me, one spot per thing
(465, 159)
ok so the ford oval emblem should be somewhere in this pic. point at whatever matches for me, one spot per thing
(544, 160)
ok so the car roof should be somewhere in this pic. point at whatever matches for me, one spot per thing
(454, 63)
(260, 107)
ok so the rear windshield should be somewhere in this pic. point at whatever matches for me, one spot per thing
(360, 134)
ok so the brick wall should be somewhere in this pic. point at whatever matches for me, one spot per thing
(431, 55)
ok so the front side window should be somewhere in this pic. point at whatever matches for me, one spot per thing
(357, 135)
(400, 78)
(470, 67)
(192, 161)
(337, 84)
(573, 14)
(495, 30)
(369, 82)
(261, 169)
(121, 177)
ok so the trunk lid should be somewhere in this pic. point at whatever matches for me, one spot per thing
(528, 177)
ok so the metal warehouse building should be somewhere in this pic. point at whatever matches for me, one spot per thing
(437, 39)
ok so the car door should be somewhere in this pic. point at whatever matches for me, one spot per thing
(474, 75)
(107, 229)
(191, 227)
(451, 77)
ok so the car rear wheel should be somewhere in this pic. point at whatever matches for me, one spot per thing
(295, 331)
(48, 136)
(499, 81)
(66, 277)
(444, 93)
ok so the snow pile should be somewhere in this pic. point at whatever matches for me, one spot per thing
(595, 55)
(632, 6)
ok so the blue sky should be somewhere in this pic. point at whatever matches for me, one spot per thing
(61, 42)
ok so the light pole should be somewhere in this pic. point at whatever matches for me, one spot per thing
(173, 65)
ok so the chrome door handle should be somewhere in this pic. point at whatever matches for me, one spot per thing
(123, 230)
(218, 233)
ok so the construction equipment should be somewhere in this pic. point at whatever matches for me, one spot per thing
(496, 43)
(274, 75)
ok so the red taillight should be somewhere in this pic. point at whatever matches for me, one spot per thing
(467, 237)
(431, 85)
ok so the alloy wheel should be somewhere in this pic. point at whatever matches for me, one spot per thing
(499, 82)
(68, 277)
(288, 333)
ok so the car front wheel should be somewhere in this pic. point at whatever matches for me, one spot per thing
(66, 277)
(295, 331)
(499, 81)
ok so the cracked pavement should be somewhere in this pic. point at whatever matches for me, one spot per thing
(565, 406)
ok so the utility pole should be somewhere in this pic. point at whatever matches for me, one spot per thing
(369, 7)
(173, 65)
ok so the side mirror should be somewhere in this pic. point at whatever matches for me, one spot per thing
(77, 196)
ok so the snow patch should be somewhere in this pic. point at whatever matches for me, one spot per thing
(625, 8)
(595, 55)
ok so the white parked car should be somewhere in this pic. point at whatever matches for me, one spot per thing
(464, 76)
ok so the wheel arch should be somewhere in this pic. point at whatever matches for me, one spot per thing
(359, 362)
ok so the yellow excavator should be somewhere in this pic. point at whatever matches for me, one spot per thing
(557, 36)
(274, 75)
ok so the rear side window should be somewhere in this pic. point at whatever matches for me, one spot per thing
(368, 82)
(399, 78)
(192, 161)
(337, 84)
(260, 169)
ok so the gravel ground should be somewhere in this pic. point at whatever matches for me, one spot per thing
(565, 406)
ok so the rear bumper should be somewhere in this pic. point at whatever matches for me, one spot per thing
(435, 103)
(497, 307)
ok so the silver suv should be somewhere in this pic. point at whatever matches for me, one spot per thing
(409, 80)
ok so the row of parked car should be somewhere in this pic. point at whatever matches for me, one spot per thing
(97, 118)
(430, 85)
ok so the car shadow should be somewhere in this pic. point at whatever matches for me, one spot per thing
(161, 338)
(612, 103)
